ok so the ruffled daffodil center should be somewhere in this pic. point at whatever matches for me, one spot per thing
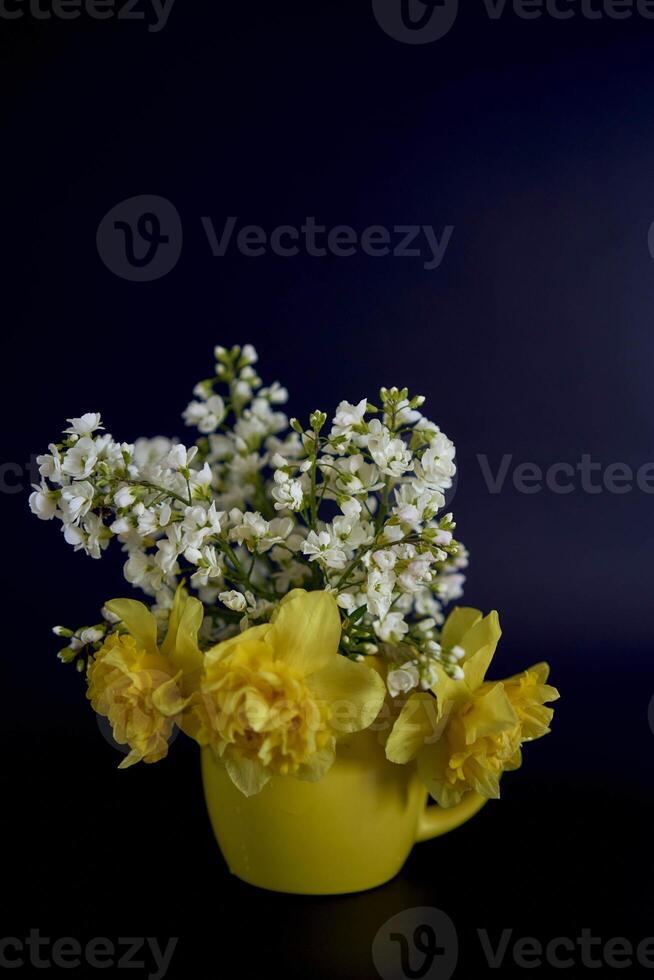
(274, 699)
(143, 689)
(481, 724)
(135, 690)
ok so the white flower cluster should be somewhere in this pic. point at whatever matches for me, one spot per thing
(252, 510)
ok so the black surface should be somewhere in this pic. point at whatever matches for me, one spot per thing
(534, 338)
(102, 853)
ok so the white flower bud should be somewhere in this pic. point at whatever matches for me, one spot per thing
(124, 497)
(403, 679)
(233, 600)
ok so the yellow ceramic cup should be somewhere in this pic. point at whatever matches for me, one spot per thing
(350, 831)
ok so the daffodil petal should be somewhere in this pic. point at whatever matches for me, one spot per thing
(293, 594)
(138, 620)
(179, 602)
(448, 692)
(167, 698)
(458, 623)
(183, 651)
(491, 714)
(485, 633)
(415, 725)
(307, 631)
(131, 759)
(476, 667)
(484, 781)
(318, 766)
(353, 692)
(432, 769)
(222, 650)
(542, 672)
(248, 775)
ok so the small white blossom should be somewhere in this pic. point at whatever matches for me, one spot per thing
(249, 354)
(233, 600)
(109, 616)
(385, 559)
(50, 465)
(436, 467)
(209, 567)
(403, 679)
(77, 500)
(169, 549)
(287, 494)
(248, 528)
(96, 536)
(124, 497)
(379, 592)
(122, 525)
(80, 461)
(392, 628)
(43, 502)
(206, 415)
(148, 454)
(91, 635)
(180, 458)
(347, 601)
(416, 575)
(346, 417)
(323, 549)
(391, 455)
(85, 425)
(450, 587)
(350, 506)
(351, 532)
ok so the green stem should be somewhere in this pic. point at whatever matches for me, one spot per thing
(314, 501)
(153, 486)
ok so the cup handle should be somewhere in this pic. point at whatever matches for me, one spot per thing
(436, 820)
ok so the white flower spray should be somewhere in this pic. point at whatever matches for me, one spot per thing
(254, 509)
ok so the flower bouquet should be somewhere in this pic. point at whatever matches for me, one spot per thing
(297, 578)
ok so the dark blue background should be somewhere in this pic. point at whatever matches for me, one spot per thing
(534, 338)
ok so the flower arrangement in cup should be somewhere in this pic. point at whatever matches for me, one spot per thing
(293, 572)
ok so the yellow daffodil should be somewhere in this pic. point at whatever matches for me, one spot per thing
(140, 687)
(274, 699)
(477, 728)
